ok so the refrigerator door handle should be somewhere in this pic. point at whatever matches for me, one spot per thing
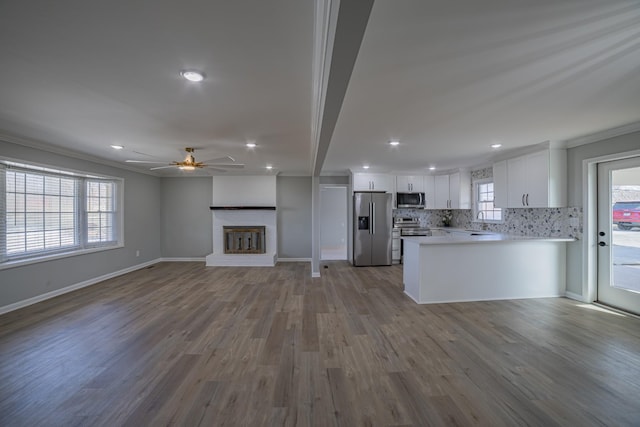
(373, 218)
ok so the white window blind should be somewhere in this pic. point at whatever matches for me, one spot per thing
(46, 211)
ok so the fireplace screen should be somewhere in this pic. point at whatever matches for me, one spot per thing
(244, 239)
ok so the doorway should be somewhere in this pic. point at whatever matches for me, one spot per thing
(619, 234)
(333, 222)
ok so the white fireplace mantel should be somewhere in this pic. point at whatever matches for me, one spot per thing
(241, 208)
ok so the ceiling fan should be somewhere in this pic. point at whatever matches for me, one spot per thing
(189, 163)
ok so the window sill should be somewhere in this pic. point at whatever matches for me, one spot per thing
(44, 258)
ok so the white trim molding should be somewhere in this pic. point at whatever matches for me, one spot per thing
(294, 259)
(574, 296)
(602, 135)
(184, 259)
(70, 288)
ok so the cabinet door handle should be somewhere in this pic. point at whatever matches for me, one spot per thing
(527, 199)
(523, 200)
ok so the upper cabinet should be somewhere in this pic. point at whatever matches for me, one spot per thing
(410, 184)
(536, 180)
(373, 182)
(452, 191)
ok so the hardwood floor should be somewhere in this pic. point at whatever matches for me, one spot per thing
(181, 344)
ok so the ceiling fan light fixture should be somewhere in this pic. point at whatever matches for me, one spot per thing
(117, 147)
(496, 146)
(251, 144)
(187, 168)
(193, 75)
(269, 167)
(394, 142)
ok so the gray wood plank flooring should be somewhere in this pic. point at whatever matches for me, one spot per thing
(184, 345)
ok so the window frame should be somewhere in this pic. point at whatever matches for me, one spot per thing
(476, 201)
(83, 246)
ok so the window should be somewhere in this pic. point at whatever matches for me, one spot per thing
(483, 207)
(52, 212)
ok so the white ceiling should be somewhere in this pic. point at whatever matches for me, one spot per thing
(445, 78)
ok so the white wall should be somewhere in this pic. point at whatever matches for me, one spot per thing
(244, 191)
(333, 226)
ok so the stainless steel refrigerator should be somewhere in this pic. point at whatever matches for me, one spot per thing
(372, 229)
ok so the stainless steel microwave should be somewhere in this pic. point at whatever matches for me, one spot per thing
(410, 200)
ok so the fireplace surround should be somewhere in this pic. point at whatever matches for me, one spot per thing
(244, 239)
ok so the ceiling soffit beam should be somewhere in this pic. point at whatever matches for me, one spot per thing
(340, 27)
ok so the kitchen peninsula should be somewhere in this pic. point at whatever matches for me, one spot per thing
(460, 265)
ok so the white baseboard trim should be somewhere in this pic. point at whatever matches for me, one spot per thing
(294, 259)
(315, 274)
(83, 284)
(196, 259)
(575, 296)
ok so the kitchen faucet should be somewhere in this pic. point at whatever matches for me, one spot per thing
(483, 224)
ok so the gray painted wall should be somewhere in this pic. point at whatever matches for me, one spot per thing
(293, 194)
(575, 157)
(141, 231)
(186, 218)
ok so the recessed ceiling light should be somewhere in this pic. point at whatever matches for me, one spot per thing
(432, 168)
(365, 166)
(117, 147)
(496, 145)
(269, 167)
(394, 143)
(251, 144)
(193, 75)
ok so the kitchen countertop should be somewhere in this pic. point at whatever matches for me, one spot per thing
(462, 236)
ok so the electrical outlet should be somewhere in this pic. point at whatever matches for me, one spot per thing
(137, 253)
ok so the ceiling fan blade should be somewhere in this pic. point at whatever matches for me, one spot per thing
(162, 167)
(220, 159)
(227, 165)
(143, 161)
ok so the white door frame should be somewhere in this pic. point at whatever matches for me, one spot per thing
(590, 223)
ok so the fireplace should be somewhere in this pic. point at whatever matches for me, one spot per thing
(244, 222)
(244, 239)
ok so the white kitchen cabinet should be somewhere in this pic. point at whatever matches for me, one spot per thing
(373, 182)
(536, 180)
(441, 192)
(452, 191)
(500, 187)
(410, 184)
(429, 191)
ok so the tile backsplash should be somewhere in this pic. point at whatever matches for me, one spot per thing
(543, 222)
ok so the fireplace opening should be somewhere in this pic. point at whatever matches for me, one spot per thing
(244, 239)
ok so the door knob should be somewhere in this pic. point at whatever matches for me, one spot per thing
(602, 244)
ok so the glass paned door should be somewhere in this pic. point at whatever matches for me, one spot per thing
(619, 234)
